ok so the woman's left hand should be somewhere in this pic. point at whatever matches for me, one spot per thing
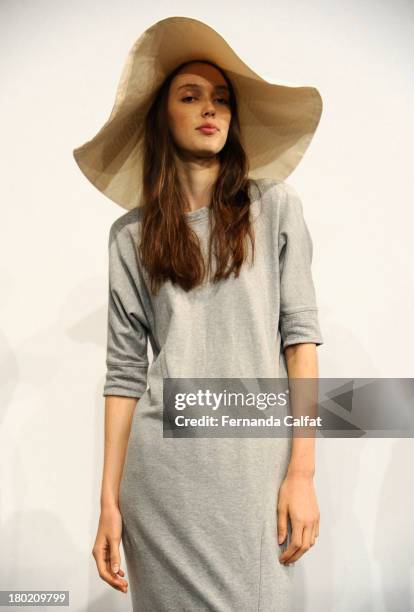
(297, 501)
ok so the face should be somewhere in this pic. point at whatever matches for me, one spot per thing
(199, 94)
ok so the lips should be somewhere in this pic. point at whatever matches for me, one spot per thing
(207, 130)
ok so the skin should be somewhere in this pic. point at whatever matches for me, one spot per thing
(195, 152)
(197, 166)
(297, 496)
(118, 418)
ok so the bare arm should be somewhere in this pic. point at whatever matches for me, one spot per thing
(118, 419)
(297, 498)
(302, 362)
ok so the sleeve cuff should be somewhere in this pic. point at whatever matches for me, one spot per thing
(126, 381)
(300, 327)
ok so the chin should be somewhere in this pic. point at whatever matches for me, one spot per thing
(203, 151)
(209, 153)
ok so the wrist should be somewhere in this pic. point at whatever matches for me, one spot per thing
(108, 503)
(294, 470)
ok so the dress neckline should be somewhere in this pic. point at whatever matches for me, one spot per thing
(199, 213)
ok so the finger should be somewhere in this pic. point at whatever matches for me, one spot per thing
(295, 542)
(113, 560)
(282, 520)
(115, 581)
(120, 582)
(114, 556)
(306, 537)
(100, 555)
(313, 535)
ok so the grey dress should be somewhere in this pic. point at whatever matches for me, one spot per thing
(199, 514)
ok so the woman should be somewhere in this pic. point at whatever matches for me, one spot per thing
(214, 271)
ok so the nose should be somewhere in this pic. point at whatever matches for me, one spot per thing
(209, 111)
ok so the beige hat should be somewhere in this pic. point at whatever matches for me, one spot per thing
(277, 121)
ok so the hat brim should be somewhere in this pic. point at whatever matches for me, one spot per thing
(278, 121)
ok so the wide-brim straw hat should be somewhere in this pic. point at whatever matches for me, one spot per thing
(278, 120)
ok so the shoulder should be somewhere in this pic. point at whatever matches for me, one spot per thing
(280, 199)
(126, 227)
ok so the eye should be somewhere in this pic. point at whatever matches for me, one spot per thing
(223, 100)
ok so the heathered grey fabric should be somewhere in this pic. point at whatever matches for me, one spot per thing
(199, 514)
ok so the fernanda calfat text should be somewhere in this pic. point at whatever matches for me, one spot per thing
(226, 421)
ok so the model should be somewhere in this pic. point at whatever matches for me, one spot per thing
(211, 265)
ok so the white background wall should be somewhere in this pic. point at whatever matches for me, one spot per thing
(60, 64)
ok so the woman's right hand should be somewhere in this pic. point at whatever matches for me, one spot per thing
(106, 548)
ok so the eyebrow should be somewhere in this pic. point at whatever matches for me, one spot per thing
(196, 86)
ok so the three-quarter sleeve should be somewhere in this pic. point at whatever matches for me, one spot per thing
(127, 329)
(298, 316)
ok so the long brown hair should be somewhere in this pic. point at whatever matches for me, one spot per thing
(169, 248)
